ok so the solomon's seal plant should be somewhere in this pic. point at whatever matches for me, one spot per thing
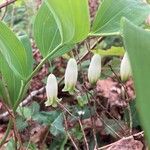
(60, 25)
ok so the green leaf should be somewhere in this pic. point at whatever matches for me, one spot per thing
(110, 12)
(45, 117)
(112, 124)
(27, 45)
(57, 126)
(14, 52)
(10, 144)
(72, 19)
(113, 51)
(21, 123)
(46, 33)
(13, 83)
(30, 111)
(137, 43)
(134, 113)
(3, 95)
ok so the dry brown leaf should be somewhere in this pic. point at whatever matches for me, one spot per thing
(126, 144)
(38, 134)
(111, 90)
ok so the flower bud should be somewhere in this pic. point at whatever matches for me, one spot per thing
(94, 70)
(52, 91)
(125, 68)
(71, 75)
(148, 20)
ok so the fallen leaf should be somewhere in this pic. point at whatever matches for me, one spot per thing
(126, 144)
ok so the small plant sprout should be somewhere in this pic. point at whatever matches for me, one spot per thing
(125, 68)
(71, 75)
(52, 91)
(94, 70)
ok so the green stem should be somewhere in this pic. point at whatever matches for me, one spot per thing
(103, 34)
(6, 133)
(24, 84)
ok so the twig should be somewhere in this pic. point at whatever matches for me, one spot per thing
(6, 3)
(66, 129)
(104, 109)
(2, 141)
(4, 13)
(93, 125)
(125, 96)
(85, 139)
(119, 136)
(25, 101)
(65, 109)
(124, 138)
(16, 133)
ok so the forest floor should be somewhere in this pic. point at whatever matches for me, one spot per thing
(108, 117)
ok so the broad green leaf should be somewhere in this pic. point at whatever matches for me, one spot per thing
(3, 95)
(72, 18)
(113, 51)
(27, 45)
(112, 124)
(1, 90)
(14, 52)
(13, 83)
(11, 144)
(57, 126)
(46, 33)
(21, 123)
(137, 44)
(110, 12)
(30, 111)
(46, 117)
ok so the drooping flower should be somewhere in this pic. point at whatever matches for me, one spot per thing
(125, 68)
(94, 70)
(52, 91)
(71, 75)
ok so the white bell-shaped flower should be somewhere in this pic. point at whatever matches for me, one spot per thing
(71, 75)
(94, 70)
(125, 68)
(52, 91)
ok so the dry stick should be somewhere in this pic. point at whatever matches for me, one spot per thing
(85, 139)
(66, 128)
(65, 109)
(124, 138)
(103, 119)
(16, 134)
(6, 3)
(93, 125)
(107, 124)
(4, 13)
(126, 96)
(119, 136)
(25, 101)
(105, 109)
